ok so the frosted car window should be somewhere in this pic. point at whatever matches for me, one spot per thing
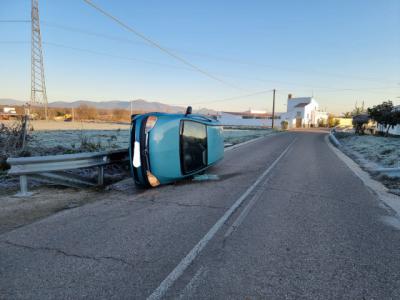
(193, 146)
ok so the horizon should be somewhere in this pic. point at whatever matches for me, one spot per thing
(357, 104)
(340, 53)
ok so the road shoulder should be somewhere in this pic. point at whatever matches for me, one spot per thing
(390, 200)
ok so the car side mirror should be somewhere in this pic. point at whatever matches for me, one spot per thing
(188, 111)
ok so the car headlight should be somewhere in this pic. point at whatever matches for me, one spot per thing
(152, 179)
(150, 122)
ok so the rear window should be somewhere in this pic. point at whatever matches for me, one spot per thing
(193, 146)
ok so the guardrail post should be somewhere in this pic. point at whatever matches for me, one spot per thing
(100, 176)
(23, 184)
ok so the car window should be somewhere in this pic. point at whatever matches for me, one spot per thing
(193, 146)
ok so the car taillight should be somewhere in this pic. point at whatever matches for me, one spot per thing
(152, 179)
(150, 122)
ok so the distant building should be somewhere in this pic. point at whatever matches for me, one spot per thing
(246, 118)
(7, 113)
(9, 110)
(303, 112)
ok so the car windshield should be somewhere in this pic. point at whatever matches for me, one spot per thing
(193, 146)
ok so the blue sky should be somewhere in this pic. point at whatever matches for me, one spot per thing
(339, 51)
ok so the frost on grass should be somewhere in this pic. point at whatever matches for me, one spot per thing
(384, 151)
(236, 136)
(72, 141)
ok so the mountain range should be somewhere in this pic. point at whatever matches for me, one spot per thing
(137, 105)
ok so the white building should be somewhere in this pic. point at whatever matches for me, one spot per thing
(303, 112)
(9, 110)
(247, 118)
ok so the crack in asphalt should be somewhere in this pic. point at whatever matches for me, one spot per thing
(154, 201)
(59, 251)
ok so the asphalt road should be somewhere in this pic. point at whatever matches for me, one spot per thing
(286, 220)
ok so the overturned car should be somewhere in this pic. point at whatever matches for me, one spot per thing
(165, 147)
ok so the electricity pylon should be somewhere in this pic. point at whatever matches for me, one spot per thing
(38, 84)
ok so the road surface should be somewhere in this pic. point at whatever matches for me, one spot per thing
(286, 220)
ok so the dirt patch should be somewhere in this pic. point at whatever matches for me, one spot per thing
(16, 212)
(45, 201)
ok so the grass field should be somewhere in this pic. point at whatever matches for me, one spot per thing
(47, 142)
(51, 137)
(385, 151)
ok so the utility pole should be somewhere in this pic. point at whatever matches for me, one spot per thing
(273, 108)
(131, 107)
(38, 85)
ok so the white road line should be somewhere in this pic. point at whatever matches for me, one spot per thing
(191, 256)
(244, 213)
(193, 283)
(249, 205)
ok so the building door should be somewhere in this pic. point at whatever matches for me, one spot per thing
(298, 122)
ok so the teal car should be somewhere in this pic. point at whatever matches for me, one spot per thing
(165, 148)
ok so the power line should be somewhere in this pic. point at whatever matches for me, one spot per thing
(187, 69)
(15, 21)
(92, 33)
(230, 98)
(169, 52)
(223, 59)
(334, 89)
(94, 52)
(114, 56)
(311, 86)
(329, 89)
(157, 45)
(14, 42)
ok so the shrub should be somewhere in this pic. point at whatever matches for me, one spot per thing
(86, 112)
(359, 123)
(385, 114)
(332, 122)
(11, 141)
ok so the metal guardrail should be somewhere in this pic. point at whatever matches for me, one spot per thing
(53, 168)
